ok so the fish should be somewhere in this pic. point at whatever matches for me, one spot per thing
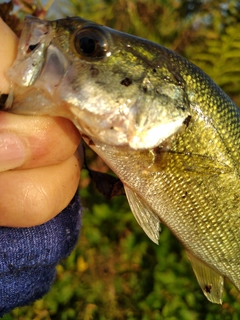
(169, 133)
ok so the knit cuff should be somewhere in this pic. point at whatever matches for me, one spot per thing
(28, 256)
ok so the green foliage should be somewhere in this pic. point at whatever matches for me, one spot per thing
(219, 58)
(116, 272)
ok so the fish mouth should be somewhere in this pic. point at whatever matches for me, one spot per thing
(37, 71)
(34, 42)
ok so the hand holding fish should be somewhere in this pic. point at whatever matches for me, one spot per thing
(38, 175)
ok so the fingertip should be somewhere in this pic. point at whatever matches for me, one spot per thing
(48, 140)
(34, 196)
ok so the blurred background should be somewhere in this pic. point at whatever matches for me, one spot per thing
(116, 272)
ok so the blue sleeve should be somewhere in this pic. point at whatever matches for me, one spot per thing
(28, 256)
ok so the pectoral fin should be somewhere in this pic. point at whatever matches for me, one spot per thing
(144, 215)
(209, 280)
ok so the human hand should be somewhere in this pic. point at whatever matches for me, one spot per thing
(39, 166)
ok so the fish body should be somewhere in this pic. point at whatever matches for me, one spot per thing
(161, 124)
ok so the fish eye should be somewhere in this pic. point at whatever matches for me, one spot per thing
(91, 42)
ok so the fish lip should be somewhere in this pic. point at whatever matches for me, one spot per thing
(40, 65)
(34, 30)
(33, 45)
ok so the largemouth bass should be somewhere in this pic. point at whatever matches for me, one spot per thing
(161, 124)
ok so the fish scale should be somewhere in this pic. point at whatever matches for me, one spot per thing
(159, 122)
(183, 217)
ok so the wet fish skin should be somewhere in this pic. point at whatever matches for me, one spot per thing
(160, 123)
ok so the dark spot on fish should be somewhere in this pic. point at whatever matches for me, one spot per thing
(181, 107)
(88, 140)
(126, 82)
(187, 121)
(161, 155)
(154, 70)
(185, 195)
(145, 89)
(94, 71)
(208, 288)
(157, 150)
(178, 78)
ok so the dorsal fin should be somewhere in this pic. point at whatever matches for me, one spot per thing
(144, 215)
(209, 280)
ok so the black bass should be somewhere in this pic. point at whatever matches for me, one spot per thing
(162, 125)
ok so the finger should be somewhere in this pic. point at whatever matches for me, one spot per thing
(33, 196)
(30, 142)
(8, 53)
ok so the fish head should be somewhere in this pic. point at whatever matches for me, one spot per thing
(116, 88)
